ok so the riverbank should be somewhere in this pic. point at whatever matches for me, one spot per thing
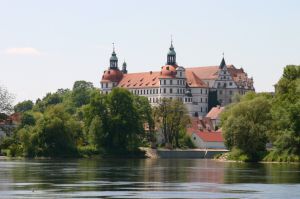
(183, 153)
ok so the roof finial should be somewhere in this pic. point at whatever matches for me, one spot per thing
(113, 46)
(223, 54)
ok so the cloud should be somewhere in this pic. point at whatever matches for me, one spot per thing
(23, 51)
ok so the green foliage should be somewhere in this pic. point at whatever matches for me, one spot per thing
(185, 140)
(27, 119)
(245, 125)
(125, 125)
(172, 118)
(257, 118)
(81, 93)
(24, 106)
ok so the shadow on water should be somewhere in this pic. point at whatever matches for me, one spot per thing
(144, 178)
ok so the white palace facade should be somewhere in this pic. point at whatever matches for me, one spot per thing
(200, 88)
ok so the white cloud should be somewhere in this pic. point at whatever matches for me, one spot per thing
(23, 51)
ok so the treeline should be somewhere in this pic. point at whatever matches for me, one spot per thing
(84, 122)
(266, 126)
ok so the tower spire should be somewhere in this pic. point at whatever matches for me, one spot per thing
(113, 59)
(171, 57)
(223, 63)
(124, 67)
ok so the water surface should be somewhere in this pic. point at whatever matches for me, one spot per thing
(161, 178)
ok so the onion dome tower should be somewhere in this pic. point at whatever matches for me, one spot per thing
(113, 73)
(171, 57)
(124, 68)
(113, 59)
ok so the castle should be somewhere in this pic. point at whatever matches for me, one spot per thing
(200, 88)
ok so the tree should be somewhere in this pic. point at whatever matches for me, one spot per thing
(113, 121)
(173, 118)
(55, 133)
(245, 125)
(145, 112)
(5, 101)
(125, 125)
(81, 93)
(27, 119)
(285, 134)
(23, 106)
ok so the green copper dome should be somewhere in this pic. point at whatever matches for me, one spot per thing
(113, 56)
(171, 51)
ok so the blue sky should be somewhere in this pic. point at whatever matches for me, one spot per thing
(46, 45)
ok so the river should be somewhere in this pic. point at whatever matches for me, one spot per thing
(147, 178)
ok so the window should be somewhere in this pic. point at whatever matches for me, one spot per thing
(201, 99)
(230, 92)
(220, 92)
(150, 91)
(171, 82)
(206, 100)
(164, 90)
(201, 91)
(180, 74)
(201, 109)
(177, 82)
(225, 85)
(164, 82)
(144, 92)
(147, 92)
(171, 90)
(219, 84)
(230, 83)
(106, 85)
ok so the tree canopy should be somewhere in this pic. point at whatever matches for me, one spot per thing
(245, 125)
(256, 119)
(172, 118)
(6, 100)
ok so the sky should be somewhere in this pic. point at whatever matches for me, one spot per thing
(46, 45)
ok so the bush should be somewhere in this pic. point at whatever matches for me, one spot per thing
(87, 151)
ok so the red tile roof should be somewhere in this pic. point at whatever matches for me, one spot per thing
(113, 75)
(140, 80)
(195, 76)
(206, 72)
(193, 80)
(205, 135)
(215, 112)
(168, 71)
(212, 136)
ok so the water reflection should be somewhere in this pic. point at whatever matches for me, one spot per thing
(160, 178)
